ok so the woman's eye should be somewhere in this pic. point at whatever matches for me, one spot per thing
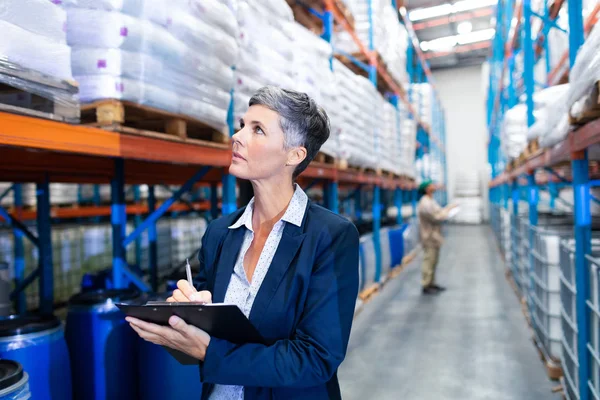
(259, 130)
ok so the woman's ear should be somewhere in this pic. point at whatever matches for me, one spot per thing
(296, 156)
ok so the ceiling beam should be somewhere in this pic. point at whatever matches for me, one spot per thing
(453, 18)
(460, 49)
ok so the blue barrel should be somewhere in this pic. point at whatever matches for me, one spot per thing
(161, 376)
(102, 345)
(14, 382)
(38, 344)
(396, 239)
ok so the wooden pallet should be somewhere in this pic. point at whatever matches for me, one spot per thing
(382, 85)
(533, 147)
(591, 108)
(553, 367)
(136, 119)
(16, 100)
(369, 292)
(325, 159)
(303, 15)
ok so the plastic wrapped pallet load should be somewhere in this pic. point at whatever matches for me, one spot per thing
(168, 55)
(358, 101)
(33, 37)
(312, 75)
(390, 38)
(266, 49)
(584, 75)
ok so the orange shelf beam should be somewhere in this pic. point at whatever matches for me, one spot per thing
(103, 211)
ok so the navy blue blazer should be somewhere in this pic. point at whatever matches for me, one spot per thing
(304, 308)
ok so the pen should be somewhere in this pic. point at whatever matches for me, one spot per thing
(188, 271)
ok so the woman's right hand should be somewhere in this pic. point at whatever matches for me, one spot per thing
(187, 293)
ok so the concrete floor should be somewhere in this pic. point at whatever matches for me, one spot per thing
(468, 343)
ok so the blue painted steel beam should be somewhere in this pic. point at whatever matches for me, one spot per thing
(354, 60)
(376, 230)
(19, 254)
(214, 201)
(229, 203)
(18, 225)
(332, 197)
(533, 200)
(358, 204)
(137, 221)
(154, 216)
(327, 19)
(118, 222)
(46, 279)
(152, 241)
(398, 205)
(583, 222)
(6, 192)
(19, 290)
(529, 65)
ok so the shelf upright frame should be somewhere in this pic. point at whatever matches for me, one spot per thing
(46, 278)
(19, 251)
(581, 192)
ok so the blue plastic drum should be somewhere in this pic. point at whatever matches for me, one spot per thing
(38, 344)
(14, 382)
(103, 347)
(163, 377)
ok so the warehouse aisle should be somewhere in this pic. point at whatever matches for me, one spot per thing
(470, 342)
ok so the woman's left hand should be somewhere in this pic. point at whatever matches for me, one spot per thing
(179, 335)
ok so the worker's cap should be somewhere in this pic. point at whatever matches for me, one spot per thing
(423, 186)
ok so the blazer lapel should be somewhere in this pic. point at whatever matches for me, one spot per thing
(286, 251)
(226, 262)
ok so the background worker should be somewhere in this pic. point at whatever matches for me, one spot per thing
(431, 216)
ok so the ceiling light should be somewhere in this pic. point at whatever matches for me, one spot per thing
(464, 28)
(478, 36)
(448, 42)
(447, 9)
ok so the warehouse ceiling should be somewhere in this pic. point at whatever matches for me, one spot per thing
(453, 33)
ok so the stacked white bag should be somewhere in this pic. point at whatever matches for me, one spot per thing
(266, 49)
(33, 37)
(175, 55)
(357, 110)
(389, 139)
(390, 38)
(408, 142)
(312, 75)
(423, 98)
(515, 130)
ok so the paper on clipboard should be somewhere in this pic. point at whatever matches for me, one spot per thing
(454, 212)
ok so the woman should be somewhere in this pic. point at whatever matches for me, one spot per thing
(431, 216)
(290, 265)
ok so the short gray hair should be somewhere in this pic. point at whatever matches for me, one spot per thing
(302, 120)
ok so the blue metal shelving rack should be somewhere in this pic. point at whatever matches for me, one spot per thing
(117, 157)
(506, 184)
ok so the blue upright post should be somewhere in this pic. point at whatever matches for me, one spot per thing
(553, 193)
(398, 204)
(414, 201)
(214, 201)
(229, 200)
(152, 241)
(332, 197)
(581, 192)
(358, 204)
(327, 26)
(118, 221)
(533, 199)
(46, 279)
(21, 305)
(515, 197)
(137, 221)
(376, 227)
(529, 60)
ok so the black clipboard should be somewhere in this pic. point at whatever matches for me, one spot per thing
(222, 321)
